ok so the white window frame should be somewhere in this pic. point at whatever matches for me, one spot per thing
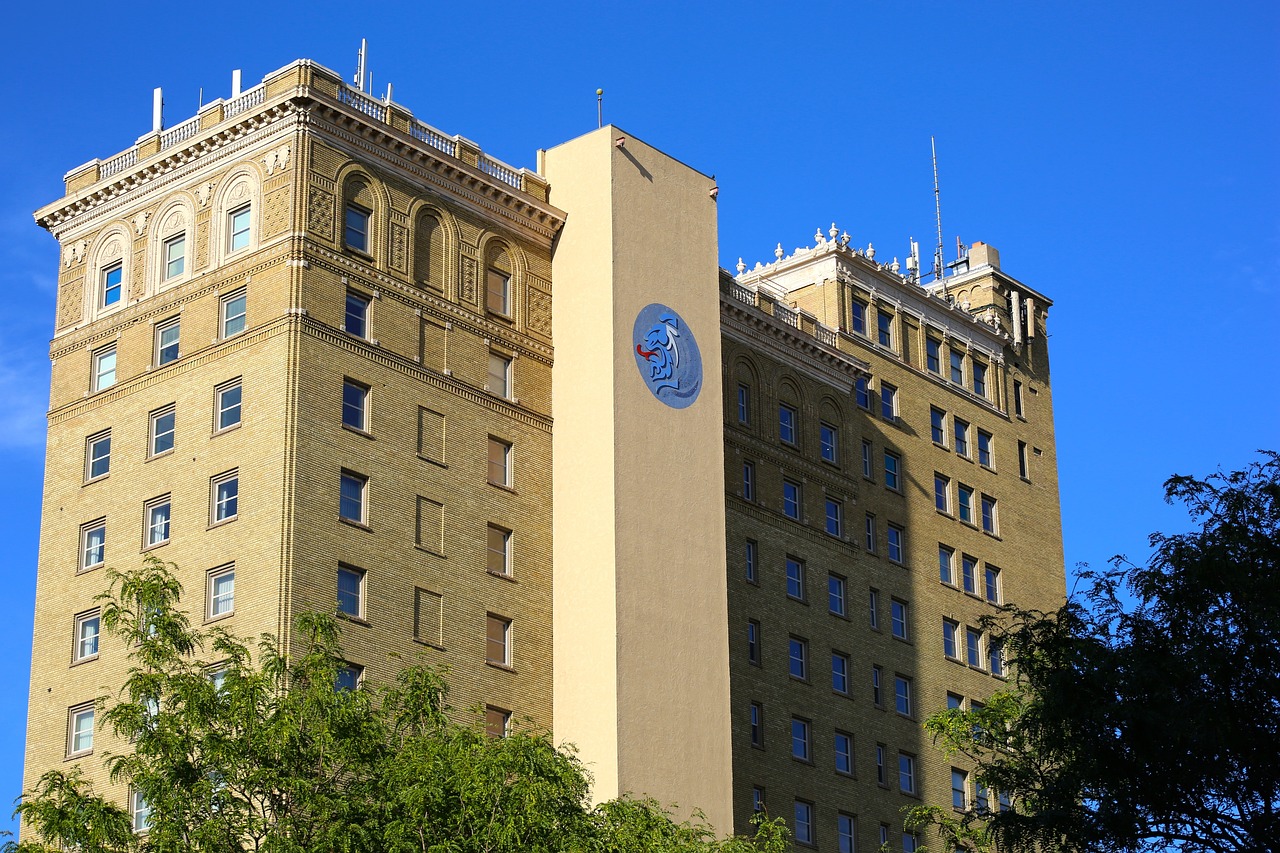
(803, 820)
(360, 576)
(846, 753)
(149, 524)
(359, 227)
(504, 554)
(499, 301)
(221, 407)
(91, 455)
(505, 624)
(900, 619)
(801, 739)
(500, 475)
(80, 637)
(221, 603)
(140, 812)
(363, 482)
(174, 325)
(218, 504)
(233, 319)
(907, 776)
(104, 288)
(362, 424)
(93, 555)
(902, 695)
(950, 639)
(104, 370)
(154, 433)
(80, 741)
(365, 304)
(168, 259)
(245, 210)
(499, 376)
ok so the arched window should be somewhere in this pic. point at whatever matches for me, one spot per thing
(498, 278)
(108, 289)
(357, 216)
(172, 245)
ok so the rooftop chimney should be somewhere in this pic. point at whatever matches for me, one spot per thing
(981, 253)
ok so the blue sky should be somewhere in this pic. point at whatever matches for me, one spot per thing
(1121, 156)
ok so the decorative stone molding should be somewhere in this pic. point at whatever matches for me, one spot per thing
(140, 222)
(276, 158)
(540, 312)
(320, 213)
(468, 292)
(74, 253)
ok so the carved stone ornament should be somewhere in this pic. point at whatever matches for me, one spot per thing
(320, 212)
(240, 191)
(540, 312)
(203, 192)
(70, 303)
(277, 158)
(468, 280)
(112, 249)
(398, 240)
(175, 221)
(140, 222)
(74, 253)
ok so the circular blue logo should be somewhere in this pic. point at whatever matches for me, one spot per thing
(667, 355)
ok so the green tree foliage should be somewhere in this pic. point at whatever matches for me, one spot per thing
(237, 747)
(1147, 725)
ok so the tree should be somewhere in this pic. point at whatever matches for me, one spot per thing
(1145, 726)
(233, 747)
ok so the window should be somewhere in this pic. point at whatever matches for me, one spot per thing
(787, 423)
(140, 811)
(897, 543)
(862, 392)
(499, 375)
(1003, 801)
(795, 578)
(499, 551)
(984, 449)
(888, 401)
(104, 368)
(892, 467)
(937, 426)
(167, 335)
(757, 724)
(97, 455)
(981, 798)
(902, 695)
(873, 603)
(906, 773)
(910, 842)
(757, 799)
(942, 493)
(791, 499)
(429, 525)
(835, 517)
(844, 753)
(351, 496)
(497, 721)
(973, 647)
(884, 329)
(162, 430)
(348, 678)
(969, 574)
(233, 307)
(804, 822)
(87, 631)
(499, 462)
(799, 738)
(989, 514)
(238, 222)
(93, 545)
(225, 497)
(898, 618)
(798, 658)
(933, 355)
(995, 658)
(749, 558)
(950, 630)
(965, 503)
(351, 591)
(881, 777)
(1017, 398)
(954, 701)
(858, 320)
(80, 730)
(744, 404)
(846, 833)
(428, 617)
(112, 284)
(979, 378)
(175, 256)
(962, 437)
(866, 458)
(871, 533)
(497, 297)
(221, 592)
(748, 481)
(355, 319)
(992, 578)
(835, 595)
(753, 642)
(226, 405)
(877, 698)
(829, 441)
(355, 405)
(355, 235)
(957, 367)
(1023, 468)
(157, 512)
(840, 672)
(946, 565)
(497, 640)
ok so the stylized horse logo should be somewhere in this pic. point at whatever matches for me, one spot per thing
(661, 350)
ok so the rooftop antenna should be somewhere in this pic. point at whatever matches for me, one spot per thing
(599, 108)
(937, 208)
(361, 58)
(200, 100)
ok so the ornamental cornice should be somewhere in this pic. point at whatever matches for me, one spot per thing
(753, 328)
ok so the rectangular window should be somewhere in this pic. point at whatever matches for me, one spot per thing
(497, 640)
(140, 812)
(877, 698)
(835, 517)
(961, 432)
(748, 481)
(965, 503)
(112, 284)
(840, 673)
(80, 730)
(989, 519)
(881, 776)
(756, 713)
(862, 392)
(873, 603)
(750, 559)
(992, 578)
(938, 426)
(871, 533)
(744, 404)
(835, 595)
(884, 329)
(429, 525)
(161, 428)
(87, 631)
(946, 565)
(984, 449)
(224, 498)
(1022, 461)
(898, 617)
(753, 642)
(888, 401)
(800, 739)
(97, 455)
(906, 773)
(238, 222)
(351, 591)
(428, 617)
(1005, 804)
(226, 405)
(950, 632)
(757, 799)
(175, 256)
(497, 721)
(356, 232)
(1017, 398)
(969, 573)
(866, 459)
(979, 378)
(957, 367)
(892, 469)
(910, 842)
(499, 375)
(221, 592)
(352, 489)
(93, 544)
(499, 551)
(348, 678)
(498, 293)
(798, 658)
(941, 493)
(858, 320)
(795, 578)
(234, 307)
(791, 499)
(844, 753)
(902, 695)
(846, 834)
(104, 368)
(995, 658)
(804, 822)
(973, 647)
(829, 441)
(954, 701)
(787, 419)
(355, 405)
(933, 355)
(156, 513)
(167, 338)
(355, 319)
(897, 539)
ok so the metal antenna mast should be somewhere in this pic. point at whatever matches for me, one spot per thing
(937, 207)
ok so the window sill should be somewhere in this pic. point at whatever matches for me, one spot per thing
(423, 548)
(351, 522)
(83, 570)
(505, 667)
(992, 534)
(146, 548)
(429, 644)
(222, 522)
(360, 432)
(76, 756)
(208, 620)
(987, 467)
(226, 429)
(797, 600)
(162, 454)
(503, 576)
(354, 620)
(503, 488)
(435, 462)
(798, 679)
(86, 659)
(97, 479)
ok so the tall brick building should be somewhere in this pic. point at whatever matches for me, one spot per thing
(730, 535)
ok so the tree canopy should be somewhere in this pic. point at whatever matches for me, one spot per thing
(1151, 723)
(229, 746)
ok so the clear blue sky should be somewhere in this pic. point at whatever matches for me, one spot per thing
(1122, 157)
